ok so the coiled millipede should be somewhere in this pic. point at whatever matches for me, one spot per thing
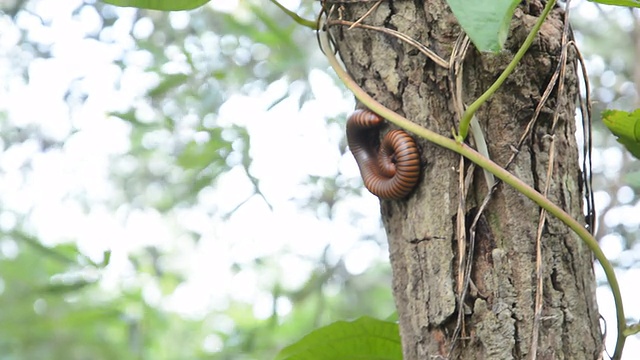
(390, 170)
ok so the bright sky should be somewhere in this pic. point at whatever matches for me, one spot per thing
(82, 165)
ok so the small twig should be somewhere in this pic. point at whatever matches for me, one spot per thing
(529, 128)
(539, 288)
(585, 108)
(423, 49)
(297, 18)
(455, 79)
(375, 6)
(465, 257)
(456, 61)
(461, 230)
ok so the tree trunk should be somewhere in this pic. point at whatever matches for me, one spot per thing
(499, 311)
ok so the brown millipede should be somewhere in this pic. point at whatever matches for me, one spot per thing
(390, 170)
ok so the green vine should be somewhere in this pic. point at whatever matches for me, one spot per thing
(297, 18)
(469, 153)
(463, 128)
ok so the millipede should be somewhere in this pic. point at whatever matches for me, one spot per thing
(390, 168)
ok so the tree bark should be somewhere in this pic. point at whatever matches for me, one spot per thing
(499, 313)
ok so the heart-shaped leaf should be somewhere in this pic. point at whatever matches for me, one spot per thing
(486, 22)
(364, 338)
(626, 126)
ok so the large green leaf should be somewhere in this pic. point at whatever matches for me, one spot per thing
(486, 22)
(626, 126)
(630, 3)
(364, 338)
(165, 5)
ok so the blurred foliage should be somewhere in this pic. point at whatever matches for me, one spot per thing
(58, 303)
(610, 50)
(213, 56)
(159, 4)
(64, 300)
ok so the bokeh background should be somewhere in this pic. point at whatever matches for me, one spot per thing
(176, 186)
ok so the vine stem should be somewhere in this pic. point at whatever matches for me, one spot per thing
(469, 153)
(463, 128)
(295, 17)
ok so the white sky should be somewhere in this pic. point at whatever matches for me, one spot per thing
(83, 165)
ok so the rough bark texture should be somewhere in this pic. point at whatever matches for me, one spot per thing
(421, 230)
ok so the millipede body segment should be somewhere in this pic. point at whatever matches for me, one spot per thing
(391, 168)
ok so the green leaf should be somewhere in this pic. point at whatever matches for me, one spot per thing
(164, 5)
(66, 288)
(199, 155)
(632, 179)
(630, 3)
(626, 126)
(364, 338)
(486, 22)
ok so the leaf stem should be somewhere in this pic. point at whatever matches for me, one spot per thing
(297, 18)
(466, 151)
(463, 128)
